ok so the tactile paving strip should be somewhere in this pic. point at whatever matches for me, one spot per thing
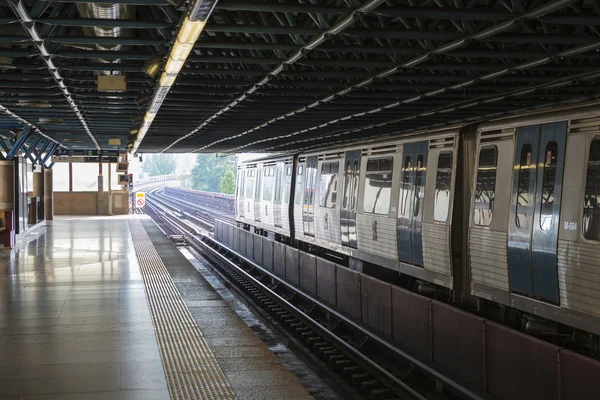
(191, 368)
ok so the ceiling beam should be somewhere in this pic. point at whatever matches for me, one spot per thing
(428, 54)
(18, 7)
(105, 23)
(315, 42)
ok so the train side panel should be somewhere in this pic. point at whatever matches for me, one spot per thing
(488, 233)
(579, 233)
(562, 150)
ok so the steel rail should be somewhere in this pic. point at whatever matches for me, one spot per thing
(204, 243)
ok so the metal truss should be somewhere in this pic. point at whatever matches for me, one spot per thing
(282, 75)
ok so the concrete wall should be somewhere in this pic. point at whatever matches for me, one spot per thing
(86, 203)
(6, 185)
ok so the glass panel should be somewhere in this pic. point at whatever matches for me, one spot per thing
(442, 187)
(268, 186)
(524, 196)
(486, 186)
(288, 185)
(249, 188)
(259, 179)
(299, 184)
(405, 187)
(547, 208)
(328, 186)
(354, 194)
(372, 165)
(378, 187)
(347, 178)
(419, 185)
(279, 172)
(60, 177)
(114, 185)
(311, 184)
(591, 206)
(85, 177)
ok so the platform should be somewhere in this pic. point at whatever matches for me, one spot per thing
(92, 308)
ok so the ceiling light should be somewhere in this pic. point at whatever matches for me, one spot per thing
(34, 104)
(6, 63)
(190, 31)
(51, 121)
(174, 66)
(152, 66)
(167, 80)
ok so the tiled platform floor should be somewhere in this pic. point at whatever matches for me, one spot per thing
(74, 322)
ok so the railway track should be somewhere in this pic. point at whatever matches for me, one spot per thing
(374, 367)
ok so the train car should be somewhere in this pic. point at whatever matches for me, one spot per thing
(388, 203)
(534, 232)
(505, 213)
(263, 194)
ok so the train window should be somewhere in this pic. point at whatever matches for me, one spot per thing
(442, 187)
(299, 184)
(419, 185)
(524, 196)
(591, 201)
(405, 187)
(346, 185)
(378, 186)
(355, 176)
(485, 188)
(268, 185)
(311, 183)
(328, 185)
(249, 190)
(548, 183)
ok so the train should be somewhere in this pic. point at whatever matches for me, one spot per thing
(502, 216)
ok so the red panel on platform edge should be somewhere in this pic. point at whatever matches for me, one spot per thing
(348, 291)
(376, 303)
(580, 377)
(519, 366)
(458, 343)
(410, 321)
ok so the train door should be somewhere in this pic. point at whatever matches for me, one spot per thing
(279, 171)
(310, 184)
(535, 210)
(257, 193)
(240, 192)
(350, 198)
(411, 201)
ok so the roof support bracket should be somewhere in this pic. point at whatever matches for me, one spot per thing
(4, 146)
(31, 149)
(42, 150)
(49, 154)
(25, 134)
(28, 25)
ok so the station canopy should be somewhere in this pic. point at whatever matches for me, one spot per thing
(283, 75)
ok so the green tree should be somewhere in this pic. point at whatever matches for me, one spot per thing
(209, 170)
(160, 164)
(227, 184)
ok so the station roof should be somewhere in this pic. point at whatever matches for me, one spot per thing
(282, 75)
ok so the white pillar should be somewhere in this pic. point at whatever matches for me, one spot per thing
(109, 189)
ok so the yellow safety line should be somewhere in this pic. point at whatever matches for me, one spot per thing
(191, 369)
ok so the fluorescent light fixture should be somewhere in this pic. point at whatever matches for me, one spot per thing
(152, 66)
(188, 33)
(167, 80)
(174, 66)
